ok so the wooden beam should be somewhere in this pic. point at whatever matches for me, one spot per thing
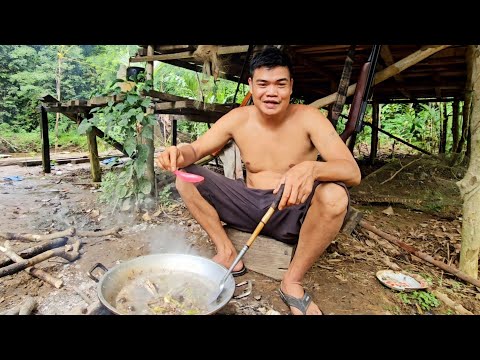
(109, 140)
(387, 73)
(222, 50)
(387, 57)
(165, 107)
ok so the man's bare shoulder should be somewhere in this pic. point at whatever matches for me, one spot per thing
(238, 114)
(307, 113)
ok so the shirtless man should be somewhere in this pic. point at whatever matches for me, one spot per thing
(279, 143)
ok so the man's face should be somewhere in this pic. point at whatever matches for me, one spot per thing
(271, 89)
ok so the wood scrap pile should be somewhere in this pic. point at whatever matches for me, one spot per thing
(45, 247)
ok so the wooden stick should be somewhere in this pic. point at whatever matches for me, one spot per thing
(450, 269)
(39, 273)
(451, 304)
(396, 173)
(32, 237)
(62, 252)
(25, 308)
(58, 234)
(82, 295)
(28, 306)
(92, 309)
(35, 250)
(111, 231)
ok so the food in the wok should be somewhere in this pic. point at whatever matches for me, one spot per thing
(165, 294)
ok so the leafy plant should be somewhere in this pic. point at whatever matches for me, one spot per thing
(425, 299)
(164, 195)
(126, 116)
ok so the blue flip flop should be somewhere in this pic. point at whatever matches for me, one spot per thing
(299, 303)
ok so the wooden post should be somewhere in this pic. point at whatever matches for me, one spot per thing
(442, 147)
(45, 140)
(150, 170)
(455, 108)
(374, 139)
(93, 155)
(174, 132)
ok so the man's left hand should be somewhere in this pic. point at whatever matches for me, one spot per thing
(298, 184)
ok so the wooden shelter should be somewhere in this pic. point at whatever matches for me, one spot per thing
(318, 68)
(403, 74)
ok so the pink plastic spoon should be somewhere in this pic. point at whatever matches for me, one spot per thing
(188, 177)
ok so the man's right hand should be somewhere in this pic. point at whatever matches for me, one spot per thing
(169, 158)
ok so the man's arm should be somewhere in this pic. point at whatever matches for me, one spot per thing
(216, 137)
(339, 164)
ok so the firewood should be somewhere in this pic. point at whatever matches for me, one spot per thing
(28, 306)
(39, 273)
(459, 309)
(33, 237)
(58, 234)
(111, 231)
(25, 308)
(35, 250)
(62, 252)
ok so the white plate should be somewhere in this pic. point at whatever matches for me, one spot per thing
(401, 281)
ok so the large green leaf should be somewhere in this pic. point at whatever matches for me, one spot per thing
(130, 145)
(144, 186)
(84, 126)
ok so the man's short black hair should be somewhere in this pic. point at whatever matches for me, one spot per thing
(271, 57)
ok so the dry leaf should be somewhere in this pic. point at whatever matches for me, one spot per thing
(370, 243)
(146, 217)
(388, 211)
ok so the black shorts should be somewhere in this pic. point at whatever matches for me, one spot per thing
(242, 208)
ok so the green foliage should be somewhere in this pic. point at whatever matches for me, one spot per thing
(129, 120)
(425, 299)
(28, 72)
(164, 196)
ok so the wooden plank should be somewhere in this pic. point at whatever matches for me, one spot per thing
(266, 256)
(352, 219)
(109, 140)
(193, 105)
(76, 160)
(222, 50)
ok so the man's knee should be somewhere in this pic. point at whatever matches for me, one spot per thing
(184, 188)
(332, 199)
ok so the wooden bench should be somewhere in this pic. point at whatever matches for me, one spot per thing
(271, 257)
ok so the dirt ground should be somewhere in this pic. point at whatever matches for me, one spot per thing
(342, 281)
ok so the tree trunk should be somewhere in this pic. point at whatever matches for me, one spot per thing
(470, 184)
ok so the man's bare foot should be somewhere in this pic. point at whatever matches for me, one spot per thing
(227, 262)
(296, 290)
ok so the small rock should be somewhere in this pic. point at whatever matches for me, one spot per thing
(258, 297)
(272, 312)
